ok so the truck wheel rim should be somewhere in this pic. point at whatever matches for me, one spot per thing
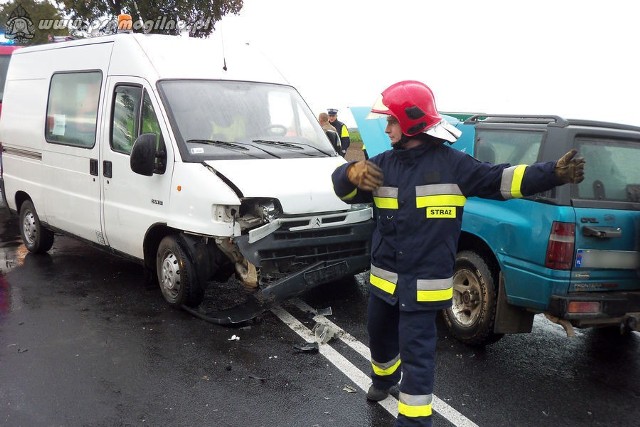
(466, 304)
(170, 280)
(29, 228)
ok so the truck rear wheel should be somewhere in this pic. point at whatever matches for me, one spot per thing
(36, 238)
(472, 315)
(177, 275)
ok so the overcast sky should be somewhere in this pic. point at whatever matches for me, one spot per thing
(578, 59)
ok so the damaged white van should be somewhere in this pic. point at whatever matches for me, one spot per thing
(195, 161)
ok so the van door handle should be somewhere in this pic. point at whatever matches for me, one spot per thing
(93, 167)
(107, 170)
(602, 232)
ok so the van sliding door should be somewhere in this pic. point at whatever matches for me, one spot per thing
(72, 128)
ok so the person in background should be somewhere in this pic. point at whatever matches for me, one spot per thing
(342, 130)
(330, 131)
(419, 189)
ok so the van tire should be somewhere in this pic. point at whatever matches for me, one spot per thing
(471, 318)
(36, 238)
(177, 275)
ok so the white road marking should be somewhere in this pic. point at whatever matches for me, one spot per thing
(361, 379)
(339, 361)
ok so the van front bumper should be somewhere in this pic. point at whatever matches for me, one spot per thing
(293, 262)
(288, 251)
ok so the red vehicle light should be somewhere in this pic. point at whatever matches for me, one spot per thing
(583, 307)
(561, 245)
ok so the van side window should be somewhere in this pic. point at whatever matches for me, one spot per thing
(131, 118)
(149, 124)
(507, 146)
(124, 128)
(72, 108)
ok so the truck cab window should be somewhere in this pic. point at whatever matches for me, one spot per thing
(72, 108)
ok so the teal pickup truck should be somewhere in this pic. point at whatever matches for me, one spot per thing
(572, 253)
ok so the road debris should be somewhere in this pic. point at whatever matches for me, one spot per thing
(308, 347)
(349, 389)
(324, 333)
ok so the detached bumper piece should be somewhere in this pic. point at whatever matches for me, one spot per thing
(302, 260)
(281, 290)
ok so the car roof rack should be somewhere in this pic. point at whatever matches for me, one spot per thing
(518, 118)
(550, 120)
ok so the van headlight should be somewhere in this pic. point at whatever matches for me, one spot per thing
(359, 206)
(258, 211)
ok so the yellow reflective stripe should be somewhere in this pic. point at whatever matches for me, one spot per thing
(511, 184)
(434, 289)
(383, 284)
(386, 369)
(383, 279)
(440, 200)
(413, 411)
(363, 147)
(385, 203)
(516, 184)
(434, 296)
(350, 195)
(344, 132)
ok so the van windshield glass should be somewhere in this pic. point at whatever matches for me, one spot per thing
(268, 120)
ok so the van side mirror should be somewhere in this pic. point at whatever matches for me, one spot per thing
(143, 154)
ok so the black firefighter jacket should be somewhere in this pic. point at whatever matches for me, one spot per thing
(419, 215)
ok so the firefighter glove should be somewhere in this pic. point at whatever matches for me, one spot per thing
(570, 169)
(365, 175)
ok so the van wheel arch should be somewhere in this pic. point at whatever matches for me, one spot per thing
(152, 240)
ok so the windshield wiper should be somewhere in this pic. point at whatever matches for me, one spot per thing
(277, 144)
(217, 143)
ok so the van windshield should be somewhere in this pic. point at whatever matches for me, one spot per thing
(216, 119)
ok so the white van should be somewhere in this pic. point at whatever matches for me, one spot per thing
(190, 158)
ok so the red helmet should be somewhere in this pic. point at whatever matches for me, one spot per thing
(413, 105)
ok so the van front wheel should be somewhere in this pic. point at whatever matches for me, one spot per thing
(472, 315)
(177, 275)
(36, 238)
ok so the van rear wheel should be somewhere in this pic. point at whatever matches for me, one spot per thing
(471, 317)
(36, 238)
(177, 275)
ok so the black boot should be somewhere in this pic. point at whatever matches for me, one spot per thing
(376, 395)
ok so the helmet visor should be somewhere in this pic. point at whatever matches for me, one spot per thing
(378, 109)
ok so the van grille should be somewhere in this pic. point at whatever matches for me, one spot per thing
(294, 249)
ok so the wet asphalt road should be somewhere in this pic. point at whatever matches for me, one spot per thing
(83, 342)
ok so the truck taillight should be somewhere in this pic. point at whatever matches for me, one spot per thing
(561, 244)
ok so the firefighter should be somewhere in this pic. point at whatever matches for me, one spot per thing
(419, 189)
